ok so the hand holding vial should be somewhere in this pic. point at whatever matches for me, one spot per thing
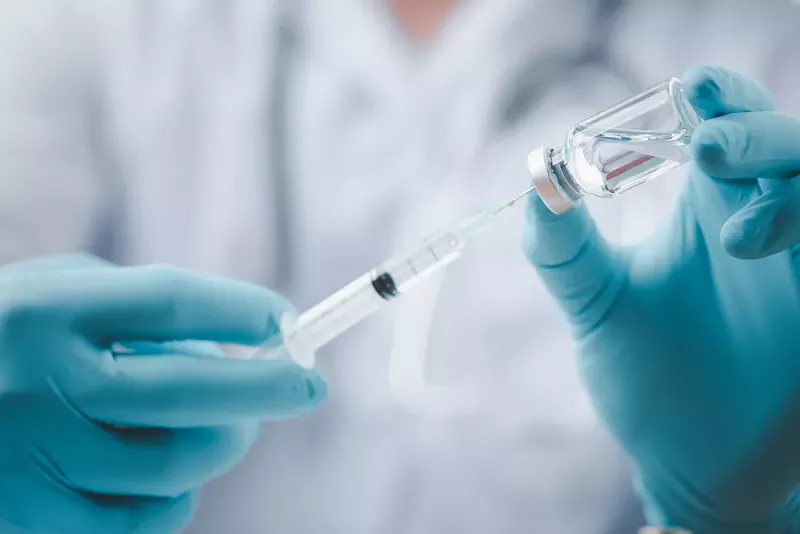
(688, 352)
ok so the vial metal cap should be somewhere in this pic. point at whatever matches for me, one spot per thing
(546, 182)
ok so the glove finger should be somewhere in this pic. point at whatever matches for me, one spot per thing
(767, 225)
(63, 510)
(575, 262)
(748, 145)
(159, 514)
(714, 92)
(142, 463)
(164, 304)
(714, 201)
(180, 391)
(54, 263)
(201, 349)
(143, 514)
(163, 515)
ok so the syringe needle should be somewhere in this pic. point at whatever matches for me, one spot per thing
(367, 294)
(516, 199)
(483, 220)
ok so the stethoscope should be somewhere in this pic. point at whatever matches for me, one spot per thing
(531, 85)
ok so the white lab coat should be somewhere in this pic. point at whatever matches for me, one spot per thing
(142, 129)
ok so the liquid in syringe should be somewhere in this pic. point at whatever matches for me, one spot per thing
(315, 328)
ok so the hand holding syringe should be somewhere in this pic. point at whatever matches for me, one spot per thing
(369, 293)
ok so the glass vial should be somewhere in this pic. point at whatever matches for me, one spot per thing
(617, 149)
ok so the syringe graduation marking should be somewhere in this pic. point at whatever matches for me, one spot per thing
(350, 305)
(385, 286)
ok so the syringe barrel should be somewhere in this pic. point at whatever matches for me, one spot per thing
(347, 307)
(367, 294)
(436, 252)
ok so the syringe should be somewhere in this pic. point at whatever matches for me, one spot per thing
(304, 335)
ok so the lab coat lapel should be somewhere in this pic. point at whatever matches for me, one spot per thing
(190, 104)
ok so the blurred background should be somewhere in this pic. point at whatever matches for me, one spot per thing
(296, 144)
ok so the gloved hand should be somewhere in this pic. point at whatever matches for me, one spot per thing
(97, 442)
(690, 354)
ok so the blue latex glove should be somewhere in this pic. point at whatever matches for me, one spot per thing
(690, 354)
(93, 442)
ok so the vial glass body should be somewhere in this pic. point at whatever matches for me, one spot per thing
(617, 149)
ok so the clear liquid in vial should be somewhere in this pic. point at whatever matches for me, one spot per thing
(630, 143)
